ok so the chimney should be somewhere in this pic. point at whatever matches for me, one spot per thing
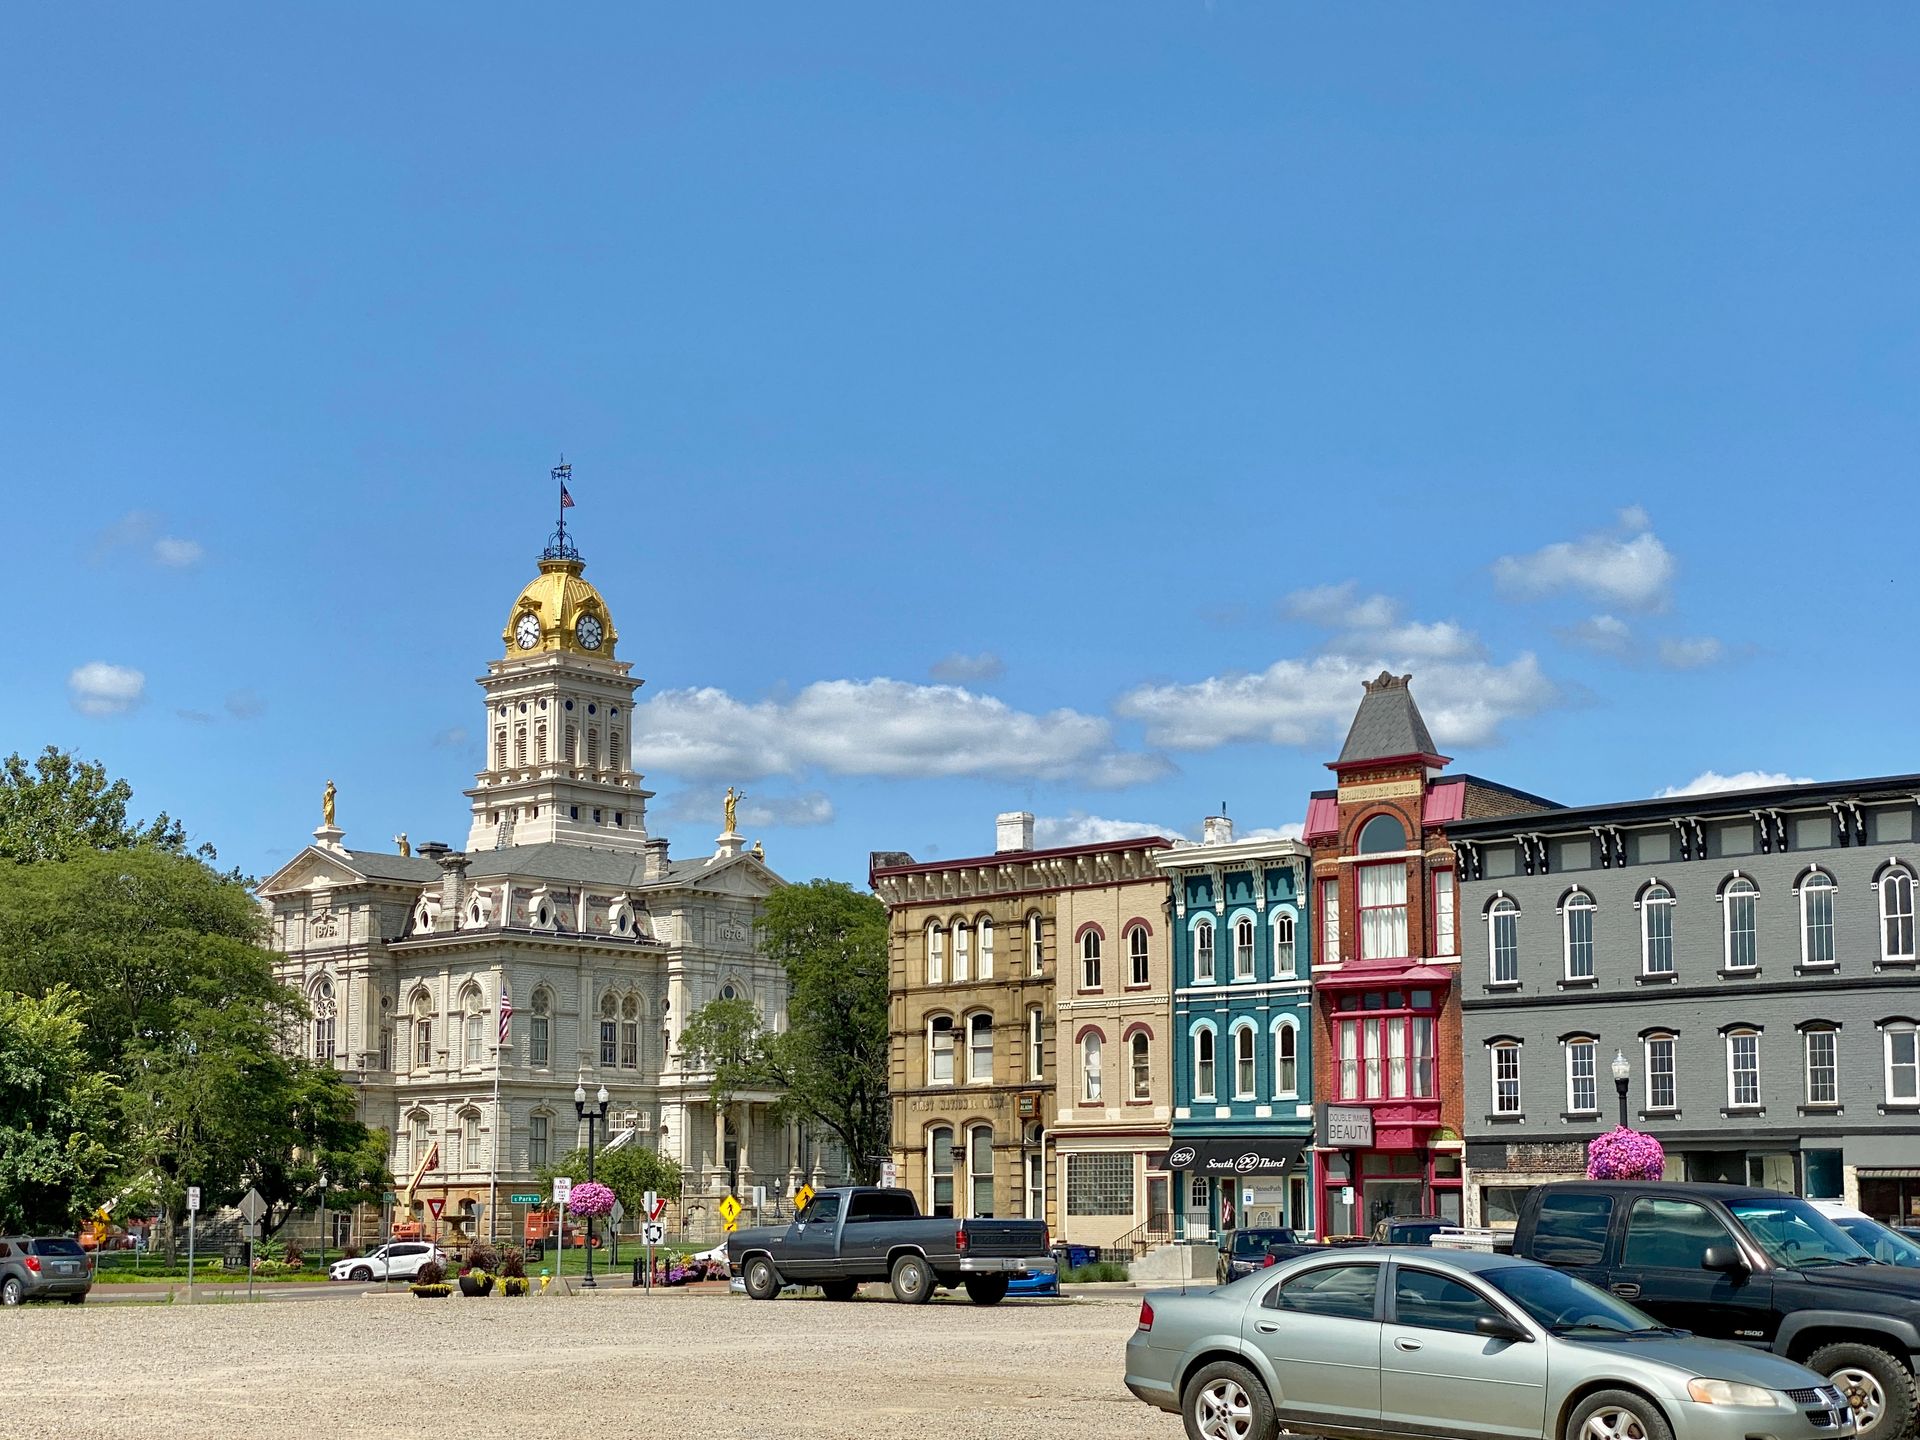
(1216, 830)
(432, 849)
(654, 865)
(1013, 831)
(453, 887)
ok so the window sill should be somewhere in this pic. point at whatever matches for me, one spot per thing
(1899, 1107)
(1142, 985)
(1519, 1119)
(1738, 972)
(1673, 1114)
(1141, 1100)
(1579, 1117)
(1093, 1104)
(1665, 977)
(1829, 968)
(1835, 1109)
(1585, 982)
(1495, 986)
(1895, 962)
(1741, 1112)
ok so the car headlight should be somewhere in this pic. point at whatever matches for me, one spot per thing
(1730, 1392)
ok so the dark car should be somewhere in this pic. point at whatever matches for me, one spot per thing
(1244, 1251)
(1752, 1266)
(1411, 1229)
(44, 1267)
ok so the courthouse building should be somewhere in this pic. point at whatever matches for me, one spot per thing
(561, 904)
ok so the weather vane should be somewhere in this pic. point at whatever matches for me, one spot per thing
(558, 546)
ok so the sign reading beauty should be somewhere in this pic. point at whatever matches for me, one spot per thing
(1349, 1127)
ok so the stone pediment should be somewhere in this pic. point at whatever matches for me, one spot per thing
(313, 869)
(743, 876)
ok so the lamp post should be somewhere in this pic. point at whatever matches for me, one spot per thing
(1621, 1070)
(593, 1115)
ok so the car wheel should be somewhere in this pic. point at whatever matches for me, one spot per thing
(1226, 1401)
(840, 1289)
(12, 1292)
(763, 1281)
(986, 1289)
(912, 1280)
(360, 1272)
(1617, 1415)
(1879, 1389)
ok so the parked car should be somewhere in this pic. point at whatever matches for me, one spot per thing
(396, 1260)
(1883, 1242)
(44, 1267)
(1244, 1251)
(1411, 1229)
(1765, 1269)
(1387, 1344)
(860, 1233)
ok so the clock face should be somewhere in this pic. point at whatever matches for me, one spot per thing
(588, 631)
(526, 632)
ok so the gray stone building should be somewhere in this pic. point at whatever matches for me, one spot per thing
(1744, 962)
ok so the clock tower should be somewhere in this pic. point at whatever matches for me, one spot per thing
(559, 712)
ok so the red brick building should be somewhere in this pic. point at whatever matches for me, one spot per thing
(1386, 974)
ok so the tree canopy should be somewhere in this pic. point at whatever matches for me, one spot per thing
(629, 1171)
(58, 807)
(56, 1113)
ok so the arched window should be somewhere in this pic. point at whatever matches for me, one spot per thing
(572, 753)
(1382, 835)
(1286, 1061)
(940, 1050)
(1243, 948)
(420, 1142)
(1896, 914)
(1244, 1078)
(1203, 952)
(980, 1172)
(1140, 1064)
(540, 1029)
(936, 953)
(540, 743)
(1661, 1092)
(539, 1127)
(1656, 931)
(1742, 901)
(1816, 919)
(422, 1031)
(940, 1170)
(980, 1050)
(1203, 1065)
(1577, 935)
(386, 1033)
(1583, 1094)
(1090, 1066)
(1036, 950)
(962, 950)
(470, 1139)
(323, 1018)
(1503, 942)
(500, 747)
(1283, 957)
(1138, 972)
(613, 749)
(609, 1031)
(473, 1021)
(1743, 1069)
(630, 1033)
(520, 747)
(984, 929)
(593, 748)
(1090, 960)
(1036, 1044)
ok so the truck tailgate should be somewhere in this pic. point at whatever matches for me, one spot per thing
(1013, 1238)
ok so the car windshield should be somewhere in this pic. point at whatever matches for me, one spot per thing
(1886, 1245)
(1795, 1235)
(1565, 1305)
(1260, 1242)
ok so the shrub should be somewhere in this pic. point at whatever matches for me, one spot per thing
(296, 1258)
(431, 1273)
(513, 1263)
(1096, 1273)
(482, 1256)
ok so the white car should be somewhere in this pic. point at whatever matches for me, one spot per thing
(1886, 1245)
(399, 1260)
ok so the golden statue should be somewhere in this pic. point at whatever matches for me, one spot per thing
(326, 804)
(733, 805)
(406, 846)
(759, 852)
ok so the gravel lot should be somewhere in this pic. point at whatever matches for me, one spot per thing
(619, 1363)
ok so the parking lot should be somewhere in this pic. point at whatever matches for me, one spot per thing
(618, 1363)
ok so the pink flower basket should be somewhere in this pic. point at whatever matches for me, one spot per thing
(591, 1200)
(1623, 1154)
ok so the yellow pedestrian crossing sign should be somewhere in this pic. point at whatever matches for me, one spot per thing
(730, 1212)
(802, 1198)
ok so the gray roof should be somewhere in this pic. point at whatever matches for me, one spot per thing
(385, 865)
(1387, 726)
(552, 861)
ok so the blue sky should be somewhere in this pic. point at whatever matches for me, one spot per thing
(1058, 407)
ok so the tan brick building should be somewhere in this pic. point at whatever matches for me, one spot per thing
(976, 947)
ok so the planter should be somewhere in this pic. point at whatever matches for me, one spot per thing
(474, 1286)
(514, 1286)
(431, 1292)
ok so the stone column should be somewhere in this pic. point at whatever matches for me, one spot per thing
(719, 1172)
(746, 1131)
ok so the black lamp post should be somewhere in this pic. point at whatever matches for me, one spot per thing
(593, 1115)
(1621, 1070)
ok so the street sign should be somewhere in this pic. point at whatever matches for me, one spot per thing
(803, 1197)
(730, 1226)
(617, 1213)
(653, 1232)
(730, 1211)
(533, 1199)
(656, 1207)
(889, 1175)
(435, 1204)
(562, 1189)
(193, 1197)
(252, 1206)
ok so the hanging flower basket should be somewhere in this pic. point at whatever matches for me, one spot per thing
(591, 1201)
(1623, 1154)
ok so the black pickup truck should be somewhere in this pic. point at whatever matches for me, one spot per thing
(848, 1236)
(1753, 1266)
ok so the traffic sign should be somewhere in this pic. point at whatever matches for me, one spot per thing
(562, 1189)
(252, 1206)
(730, 1211)
(479, 1208)
(730, 1226)
(193, 1197)
(653, 1232)
(436, 1203)
(656, 1207)
(617, 1213)
(533, 1199)
(803, 1197)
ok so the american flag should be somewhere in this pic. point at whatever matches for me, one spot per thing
(566, 500)
(563, 473)
(506, 1014)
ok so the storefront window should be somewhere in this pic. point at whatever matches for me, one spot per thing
(1385, 1040)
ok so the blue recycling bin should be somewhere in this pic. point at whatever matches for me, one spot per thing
(1078, 1255)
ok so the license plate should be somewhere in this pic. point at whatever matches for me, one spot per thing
(63, 1269)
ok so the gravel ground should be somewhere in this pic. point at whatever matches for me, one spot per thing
(619, 1363)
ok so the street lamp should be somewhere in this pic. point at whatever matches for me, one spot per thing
(1620, 1072)
(593, 1115)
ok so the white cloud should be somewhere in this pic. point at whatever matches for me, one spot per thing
(1691, 654)
(961, 669)
(245, 704)
(1412, 641)
(139, 530)
(704, 805)
(811, 808)
(176, 553)
(879, 727)
(97, 688)
(1625, 566)
(1077, 827)
(1293, 830)
(1602, 634)
(1712, 782)
(1340, 607)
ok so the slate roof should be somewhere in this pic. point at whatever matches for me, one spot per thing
(385, 865)
(551, 861)
(1387, 726)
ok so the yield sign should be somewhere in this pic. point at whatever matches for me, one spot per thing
(656, 1208)
(436, 1204)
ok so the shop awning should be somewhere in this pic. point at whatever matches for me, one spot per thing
(1877, 1172)
(1235, 1154)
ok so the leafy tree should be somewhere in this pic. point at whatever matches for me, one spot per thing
(830, 1063)
(316, 1148)
(61, 807)
(630, 1171)
(56, 1116)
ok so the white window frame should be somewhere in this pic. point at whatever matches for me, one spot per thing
(1036, 944)
(1036, 1043)
(1672, 1042)
(1446, 913)
(1246, 947)
(953, 1043)
(1591, 1047)
(1502, 907)
(1330, 920)
(1893, 881)
(1648, 904)
(1251, 1059)
(951, 1174)
(1508, 1050)
(973, 1075)
(983, 959)
(1888, 1030)
(1284, 1027)
(1286, 955)
(1819, 882)
(936, 953)
(1211, 1060)
(1139, 957)
(962, 952)
(1139, 1077)
(1581, 902)
(972, 1175)
(1204, 927)
(1093, 1059)
(1745, 1032)
(1743, 891)
(1832, 1035)
(1091, 957)
(540, 1030)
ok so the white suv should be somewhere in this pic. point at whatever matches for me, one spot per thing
(400, 1260)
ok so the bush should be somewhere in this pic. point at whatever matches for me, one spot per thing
(1098, 1272)
(482, 1256)
(296, 1258)
(431, 1273)
(513, 1263)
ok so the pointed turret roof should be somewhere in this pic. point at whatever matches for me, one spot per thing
(1387, 726)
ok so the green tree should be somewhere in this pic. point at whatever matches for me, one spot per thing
(629, 1171)
(315, 1148)
(830, 1063)
(56, 1116)
(60, 807)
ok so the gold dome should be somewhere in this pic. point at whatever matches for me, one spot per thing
(559, 611)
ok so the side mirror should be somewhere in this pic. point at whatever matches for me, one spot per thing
(1499, 1327)
(1723, 1258)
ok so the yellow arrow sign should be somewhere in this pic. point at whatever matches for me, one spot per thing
(803, 1197)
(732, 1225)
(730, 1210)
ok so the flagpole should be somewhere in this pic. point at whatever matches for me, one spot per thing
(493, 1156)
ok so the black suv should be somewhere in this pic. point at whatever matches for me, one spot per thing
(43, 1268)
(1755, 1266)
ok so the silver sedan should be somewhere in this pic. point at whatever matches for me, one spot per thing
(1377, 1344)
